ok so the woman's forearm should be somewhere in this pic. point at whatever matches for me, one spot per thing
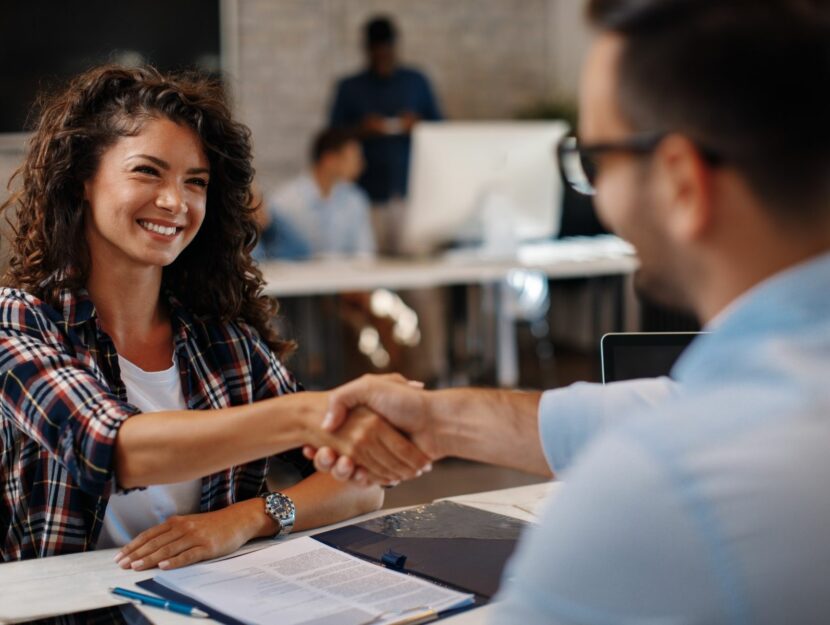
(319, 500)
(174, 446)
(322, 500)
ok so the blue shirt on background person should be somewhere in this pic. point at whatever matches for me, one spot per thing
(305, 224)
(723, 476)
(321, 212)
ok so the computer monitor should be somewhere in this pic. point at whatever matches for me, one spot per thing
(634, 355)
(490, 183)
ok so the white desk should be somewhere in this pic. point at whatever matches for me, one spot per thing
(578, 257)
(72, 583)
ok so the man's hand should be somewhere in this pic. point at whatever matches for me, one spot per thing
(408, 121)
(404, 405)
(373, 125)
(386, 455)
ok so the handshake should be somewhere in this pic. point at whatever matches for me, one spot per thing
(377, 430)
(384, 429)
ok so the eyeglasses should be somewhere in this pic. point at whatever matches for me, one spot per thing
(577, 163)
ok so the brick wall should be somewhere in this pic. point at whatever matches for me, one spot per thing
(487, 59)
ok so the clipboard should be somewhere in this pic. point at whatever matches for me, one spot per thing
(447, 543)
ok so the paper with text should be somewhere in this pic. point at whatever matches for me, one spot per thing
(303, 582)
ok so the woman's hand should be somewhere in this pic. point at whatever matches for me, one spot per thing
(183, 540)
(394, 400)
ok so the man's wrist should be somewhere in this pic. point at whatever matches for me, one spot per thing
(439, 414)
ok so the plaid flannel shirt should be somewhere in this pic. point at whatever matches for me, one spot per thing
(63, 401)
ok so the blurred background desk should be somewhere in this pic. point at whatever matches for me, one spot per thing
(504, 281)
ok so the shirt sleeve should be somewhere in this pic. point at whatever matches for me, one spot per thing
(285, 241)
(617, 544)
(571, 417)
(54, 398)
(272, 379)
(431, 110)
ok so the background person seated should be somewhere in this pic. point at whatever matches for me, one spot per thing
(321, 212)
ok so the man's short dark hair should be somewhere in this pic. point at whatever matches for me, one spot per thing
(330, 140)
(380, 30)
(748, 80)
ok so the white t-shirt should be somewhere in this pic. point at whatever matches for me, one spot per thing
(130, 514)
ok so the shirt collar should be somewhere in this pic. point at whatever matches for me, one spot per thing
(791, 301)
(78, 309)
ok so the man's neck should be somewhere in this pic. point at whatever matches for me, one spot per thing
(753, 267)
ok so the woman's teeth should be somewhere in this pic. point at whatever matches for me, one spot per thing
(165, 230)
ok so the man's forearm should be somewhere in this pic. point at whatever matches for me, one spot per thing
(495, 426)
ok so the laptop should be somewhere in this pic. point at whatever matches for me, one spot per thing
(633, 355)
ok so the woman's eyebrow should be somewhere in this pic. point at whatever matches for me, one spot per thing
(166, 166)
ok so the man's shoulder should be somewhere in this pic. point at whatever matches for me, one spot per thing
(356, 79)
(352, 195)
(292, 193)
(741, 426)
(411, 72)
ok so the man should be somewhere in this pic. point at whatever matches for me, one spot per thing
(704, 131)
(382, 104)
(321, 212)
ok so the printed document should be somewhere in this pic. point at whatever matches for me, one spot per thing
(304, 582)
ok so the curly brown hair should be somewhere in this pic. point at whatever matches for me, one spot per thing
(214, 277)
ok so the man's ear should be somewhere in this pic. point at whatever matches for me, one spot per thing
(685, 187)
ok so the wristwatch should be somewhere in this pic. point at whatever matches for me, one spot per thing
(280, 508)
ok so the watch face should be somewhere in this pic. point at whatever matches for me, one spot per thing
(280, 508)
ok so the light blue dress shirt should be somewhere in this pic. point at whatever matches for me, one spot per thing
(304, 224)
(710, 506)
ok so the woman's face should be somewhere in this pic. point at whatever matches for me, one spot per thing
(147, 199)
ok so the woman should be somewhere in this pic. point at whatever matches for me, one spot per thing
(135, 346)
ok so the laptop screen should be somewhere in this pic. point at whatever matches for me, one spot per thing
(633, 355)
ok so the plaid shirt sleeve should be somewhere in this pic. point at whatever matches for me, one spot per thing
(269, 376)
(270, 379)
(55, 397)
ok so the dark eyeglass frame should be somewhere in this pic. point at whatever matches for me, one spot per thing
(640, 144)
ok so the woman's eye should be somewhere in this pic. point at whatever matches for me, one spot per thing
(199, 182)
(146, 169)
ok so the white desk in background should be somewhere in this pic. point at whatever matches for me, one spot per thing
(77, 582)
(578, 257)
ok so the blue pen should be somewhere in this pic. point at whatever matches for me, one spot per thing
(158, 602)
